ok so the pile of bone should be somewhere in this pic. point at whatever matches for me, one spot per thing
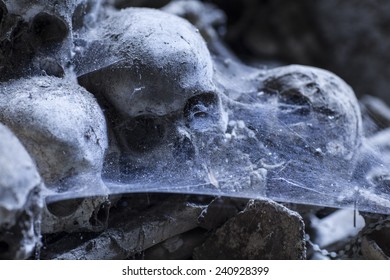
(85, 87)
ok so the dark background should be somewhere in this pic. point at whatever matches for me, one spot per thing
(348, 37)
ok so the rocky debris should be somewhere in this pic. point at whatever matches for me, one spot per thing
(179, 247)
(263, 230)
(219, 211)
(372, 251)
(125, 238)
(174, 229)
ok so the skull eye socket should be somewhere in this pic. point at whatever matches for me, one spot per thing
(49, 28)
(142, 134)
(64, 208)
(201, 111)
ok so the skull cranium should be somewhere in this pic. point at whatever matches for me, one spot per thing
(64, 130)
(20, 199)
(158, 80)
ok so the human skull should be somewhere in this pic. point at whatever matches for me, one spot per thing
(306, 120)
(49, 28)
(20, 199)
(156, 74)
(319, 105)
(319, 123)
(64, 130)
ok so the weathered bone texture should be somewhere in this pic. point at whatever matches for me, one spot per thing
(64, 130)
(37, 36)
(159, 62)
(20, 199)
(154, 74)
(324, 100)
(305, 122)
(307, 99)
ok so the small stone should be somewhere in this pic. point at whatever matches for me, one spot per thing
(263, 230)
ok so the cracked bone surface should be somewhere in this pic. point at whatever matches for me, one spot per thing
(20, 199)
(64, 130)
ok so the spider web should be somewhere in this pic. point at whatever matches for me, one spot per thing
(273, 148)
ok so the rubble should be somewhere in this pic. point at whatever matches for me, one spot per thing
(263, 230)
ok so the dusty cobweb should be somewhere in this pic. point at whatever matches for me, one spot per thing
(292, 134)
